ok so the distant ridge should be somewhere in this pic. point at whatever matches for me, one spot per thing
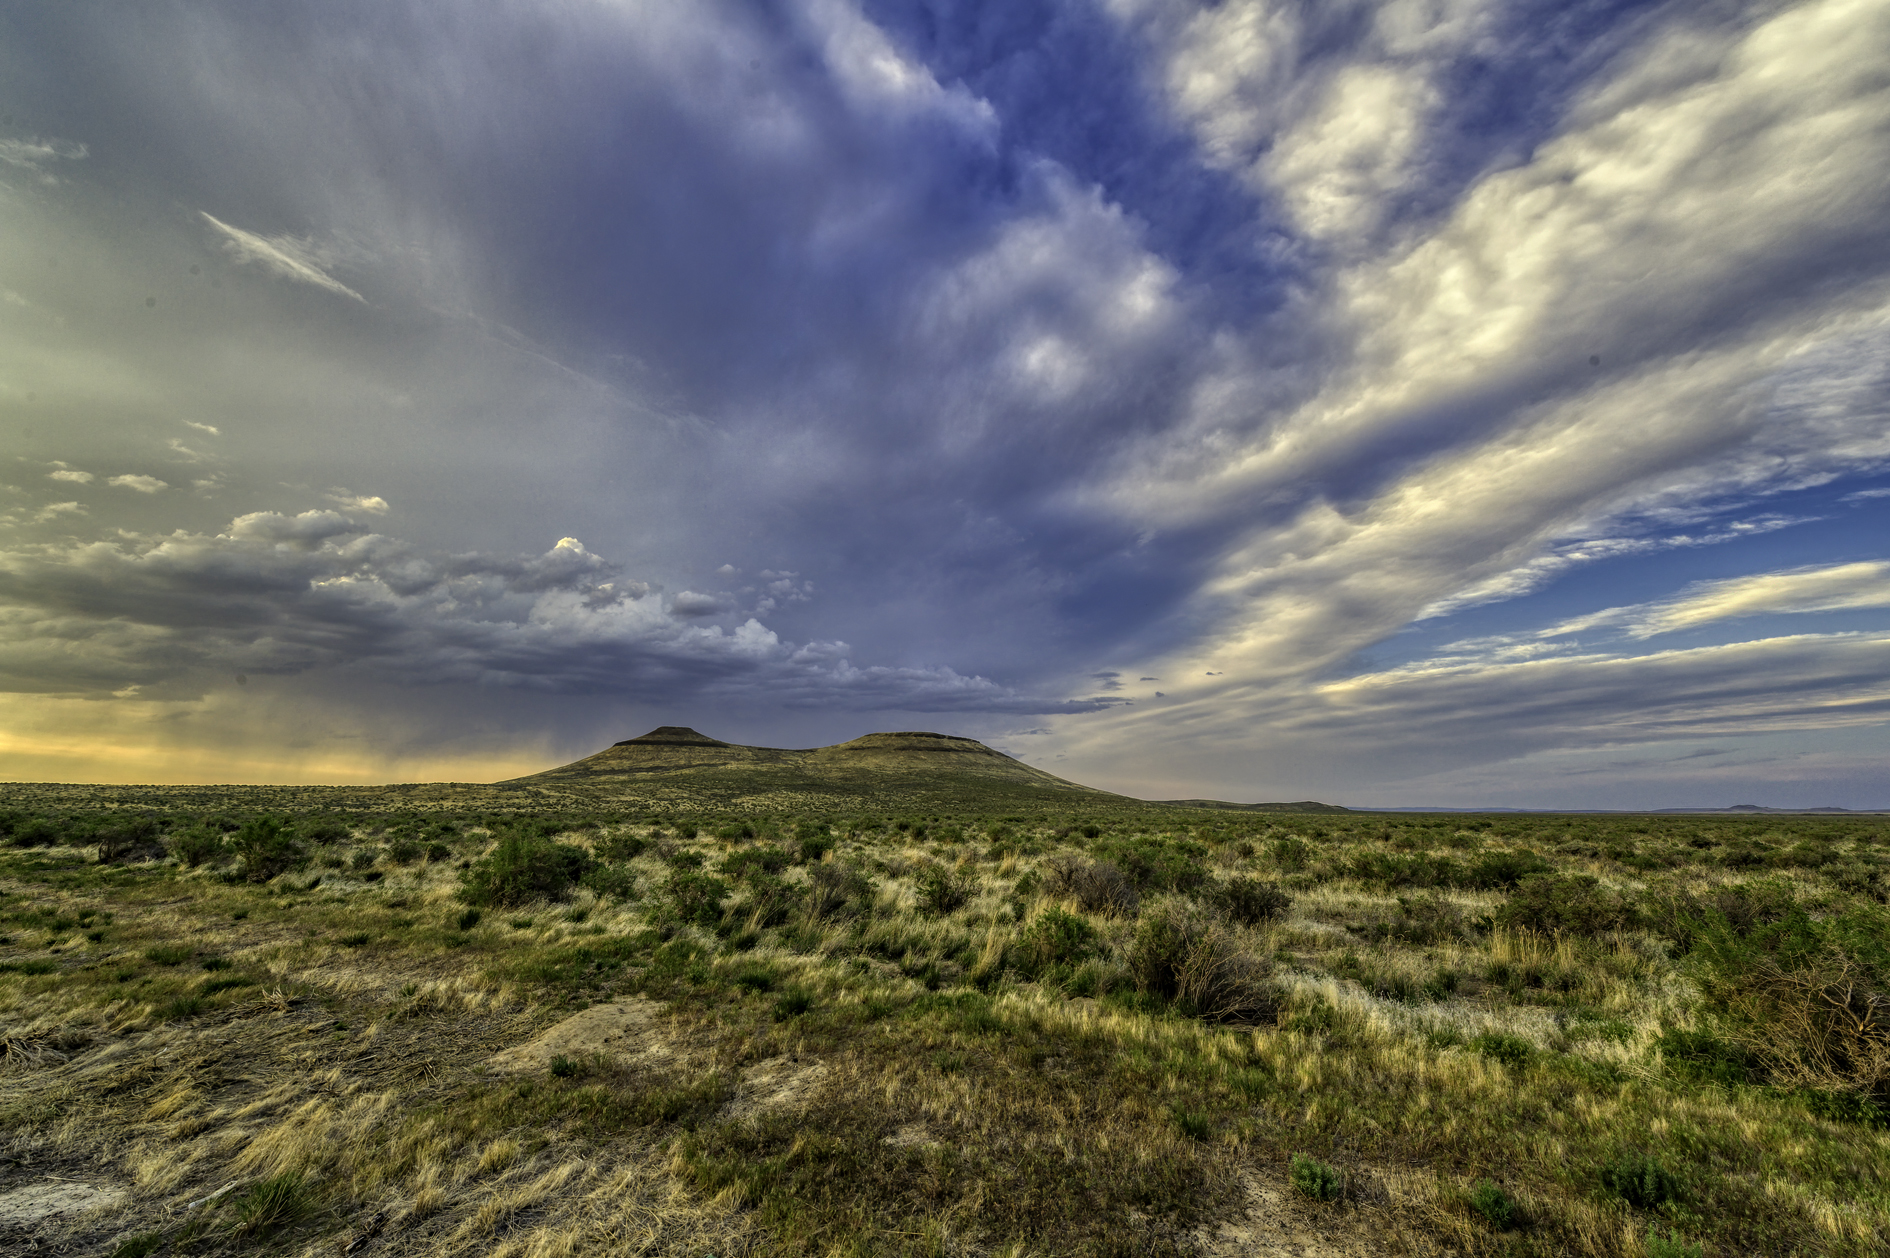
(910, 769)
(1304, 805)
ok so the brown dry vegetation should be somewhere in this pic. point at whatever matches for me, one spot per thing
(950, 1035)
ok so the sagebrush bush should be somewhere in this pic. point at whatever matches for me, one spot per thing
(1055, 938)
(267, 847)
(1251, 901)
(1571, 904)
(696, 897)
(1316, 1179)
(1493, 1204)
(194, 846)
(1098, 886)
(940, 890)
(523, 868)
(1183, 956)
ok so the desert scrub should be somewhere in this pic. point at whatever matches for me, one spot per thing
(523, 868)
(1183, 956)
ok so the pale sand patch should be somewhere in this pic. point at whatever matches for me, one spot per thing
(35, 1203)
(1277, 1224)
(777, 1083)
(623, 1029)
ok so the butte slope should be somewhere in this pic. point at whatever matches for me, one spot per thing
(676, 767)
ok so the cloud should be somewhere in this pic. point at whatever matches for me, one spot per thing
(293, 594)
(361, 504)
(212, 429)
(72, 474)
(1839, 587)
(36, 154)
(286, 256)
(141, 483)
(53, 510)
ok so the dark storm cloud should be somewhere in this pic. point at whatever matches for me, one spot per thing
(291, 594)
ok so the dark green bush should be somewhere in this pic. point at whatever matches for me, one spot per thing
(196, 845)
(1055, 938)
(1505, 869)
(272, 1204)
(36, 832)
(1703, 1057)
(267, 847)
(1250, 901)
(940, 890)
(1316, 1179)
(1511, 1050)
(1565, 904)
(765, 859)
(1493, 1204)
(622, 846)
(129, 839)
(1639, 1179)
(521, 869)
(468, 919)
(696, 897)
(612, 882)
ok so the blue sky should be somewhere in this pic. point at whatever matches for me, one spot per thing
(1420, 402)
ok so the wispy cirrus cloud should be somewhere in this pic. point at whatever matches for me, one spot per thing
(289, 257)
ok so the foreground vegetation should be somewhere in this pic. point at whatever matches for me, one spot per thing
(1119, 1031)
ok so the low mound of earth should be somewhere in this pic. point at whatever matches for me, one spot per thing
(907, 763)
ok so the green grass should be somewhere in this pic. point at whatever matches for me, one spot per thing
(1012, 1011)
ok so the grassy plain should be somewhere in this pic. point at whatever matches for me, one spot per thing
(467, 1020)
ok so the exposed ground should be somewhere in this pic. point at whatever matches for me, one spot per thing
(935, 1033)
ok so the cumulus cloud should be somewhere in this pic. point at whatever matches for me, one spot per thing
(72, 474)
(290, 594)
(289, 257)
(360, 504)
(138, 482)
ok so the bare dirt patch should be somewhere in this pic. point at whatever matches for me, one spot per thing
(624, 1030)
(1279, 1223)
(778, 1083)
(54, 1200)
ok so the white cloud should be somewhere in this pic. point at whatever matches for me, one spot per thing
(287, 256)
(1839, 587)
(36, 154)
(212, 429)
(142, 484)
(72, 474)
(363, 504)
(53, 510)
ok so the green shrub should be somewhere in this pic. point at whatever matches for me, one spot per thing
(37, 832)
(792, 1004)
(696, 897)
(1193, 1124)
(564, 1067)
(196, 845)
(1669, 1246)
(1573, 904)
(1099, 887)
(814, 847)
(1181, 956)
(1639, 1179)
(522, 869)
(168, 954)
(1316, 1179)
(1511, 1050)
(1505, 869)
(406, 851)
(1493, 1204)
(1251, 901)
(611, 882)
(468, 919)
(765, 859)
(621, 846)
(1055, 938)
(364, 858)
(1703, 1057)
(940, 890)
(129, 839)
(267, 847)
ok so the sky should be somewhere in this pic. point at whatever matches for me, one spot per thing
(1425, 402)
